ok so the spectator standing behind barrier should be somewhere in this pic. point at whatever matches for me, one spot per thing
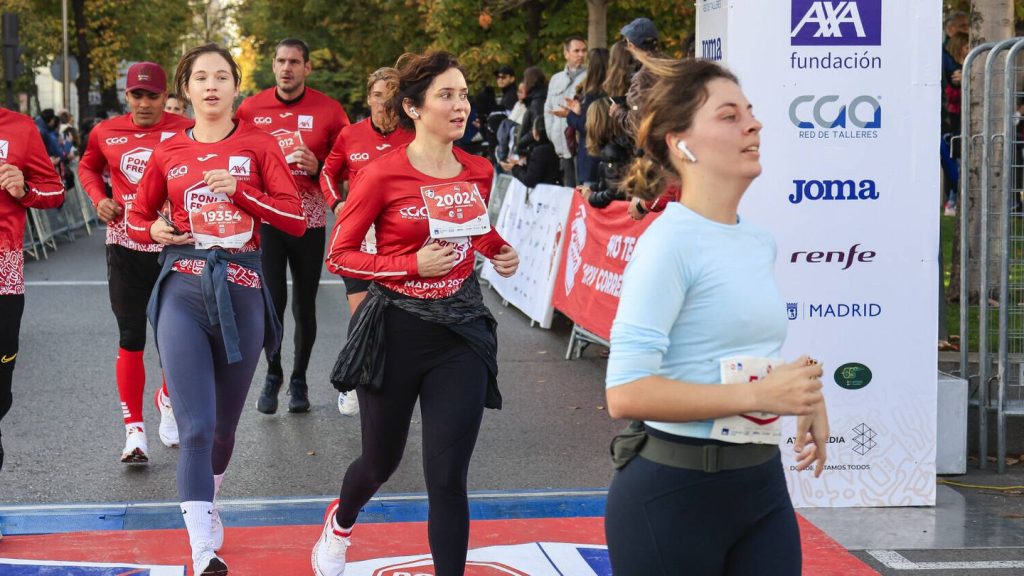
(587, 92)
(27, 180)
(958, 45)
(122, 147)
(506, 80)
(612, 151)
(682, 501)
(306, 123)
(563, 85)
(47, 123)
(536, 88)
(541, 164)
(509, 129)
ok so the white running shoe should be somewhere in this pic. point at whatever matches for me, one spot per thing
(348, 403)
(135, 447)
(216, 528)
(168, 425)
(205, 561)
(329, 552)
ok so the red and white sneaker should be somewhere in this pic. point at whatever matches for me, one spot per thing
(329, 552)
(168, 425)
(135, 446)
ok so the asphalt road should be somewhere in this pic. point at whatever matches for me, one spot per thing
(64, 435)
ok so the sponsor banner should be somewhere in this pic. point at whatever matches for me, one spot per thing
(532, 222)
(838, 86)
(600, 244)
(12, 567)
(532, 559)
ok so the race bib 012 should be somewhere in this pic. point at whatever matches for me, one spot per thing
(289, 143)
(753, 427)
(221, 224)
(455, 209)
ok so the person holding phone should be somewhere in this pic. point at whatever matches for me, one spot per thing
(423, 332)
(211, 311)
(685, 499)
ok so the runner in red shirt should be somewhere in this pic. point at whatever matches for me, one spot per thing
(27, 180)
(122, 146)
(306, 123)
(357, 146)
(210, 310)
(423, 332)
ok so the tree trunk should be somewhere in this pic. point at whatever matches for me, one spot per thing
(991, 21)
(84, 77)
(597, 23)
(534, 13)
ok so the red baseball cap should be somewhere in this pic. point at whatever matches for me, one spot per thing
(148, 76)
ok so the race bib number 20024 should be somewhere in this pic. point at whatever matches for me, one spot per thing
(455, 209)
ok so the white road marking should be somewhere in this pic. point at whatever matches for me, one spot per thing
(896, 561)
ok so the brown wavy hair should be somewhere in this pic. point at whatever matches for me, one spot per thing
(184, 71)
(415, 73)
(679, 90)
(390, 78)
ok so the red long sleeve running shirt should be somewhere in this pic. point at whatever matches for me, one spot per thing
(388, 194)
(318, 118)
(22, 146)
(357, 146)
(265, 188)
(123, 148)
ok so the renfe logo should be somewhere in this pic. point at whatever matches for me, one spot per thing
(848, 257)
(836, 23)
(833, 190)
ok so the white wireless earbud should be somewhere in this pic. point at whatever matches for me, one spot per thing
(415, 114)
(681, 146)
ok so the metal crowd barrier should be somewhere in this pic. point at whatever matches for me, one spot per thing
(43, 227)
(992, 254)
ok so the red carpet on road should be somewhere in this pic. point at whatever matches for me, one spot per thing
(285, 550)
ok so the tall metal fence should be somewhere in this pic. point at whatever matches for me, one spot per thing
(45, 227)
(992, 238)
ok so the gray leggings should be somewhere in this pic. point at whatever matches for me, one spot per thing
(207, 393)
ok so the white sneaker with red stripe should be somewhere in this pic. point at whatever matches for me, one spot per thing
(168, 425)
(135, 447)
(329, 552)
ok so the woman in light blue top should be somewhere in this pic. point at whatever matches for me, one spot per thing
(700, 289)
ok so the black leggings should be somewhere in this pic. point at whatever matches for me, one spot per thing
(665, 521)
(11, 308)
(131, 275)
(432, 363)
(304, 255)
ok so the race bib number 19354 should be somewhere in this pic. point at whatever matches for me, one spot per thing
(455, 209)
(221, 224)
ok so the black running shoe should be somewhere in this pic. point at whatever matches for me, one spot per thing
(267, 403)
(299, 392)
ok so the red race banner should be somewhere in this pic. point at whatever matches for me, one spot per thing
(600, 242)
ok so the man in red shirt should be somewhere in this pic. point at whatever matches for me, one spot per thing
(27, 180)
(306, 123)
(123, 146)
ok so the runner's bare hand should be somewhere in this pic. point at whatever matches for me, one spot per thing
(506, 262)
(339, 208)
(812, 440)
(108, 209)
(435, 260)
(793, 388)
(306, 160)
(221, 182)
(162, 233)
(12, 180)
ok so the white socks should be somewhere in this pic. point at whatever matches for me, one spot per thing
(198, 522)
(218, 479)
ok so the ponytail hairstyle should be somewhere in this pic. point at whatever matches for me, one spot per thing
(415, 74)
(679, 90)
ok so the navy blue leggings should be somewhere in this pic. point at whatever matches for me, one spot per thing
(207, 393)
(665, 521)
(429, 362)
